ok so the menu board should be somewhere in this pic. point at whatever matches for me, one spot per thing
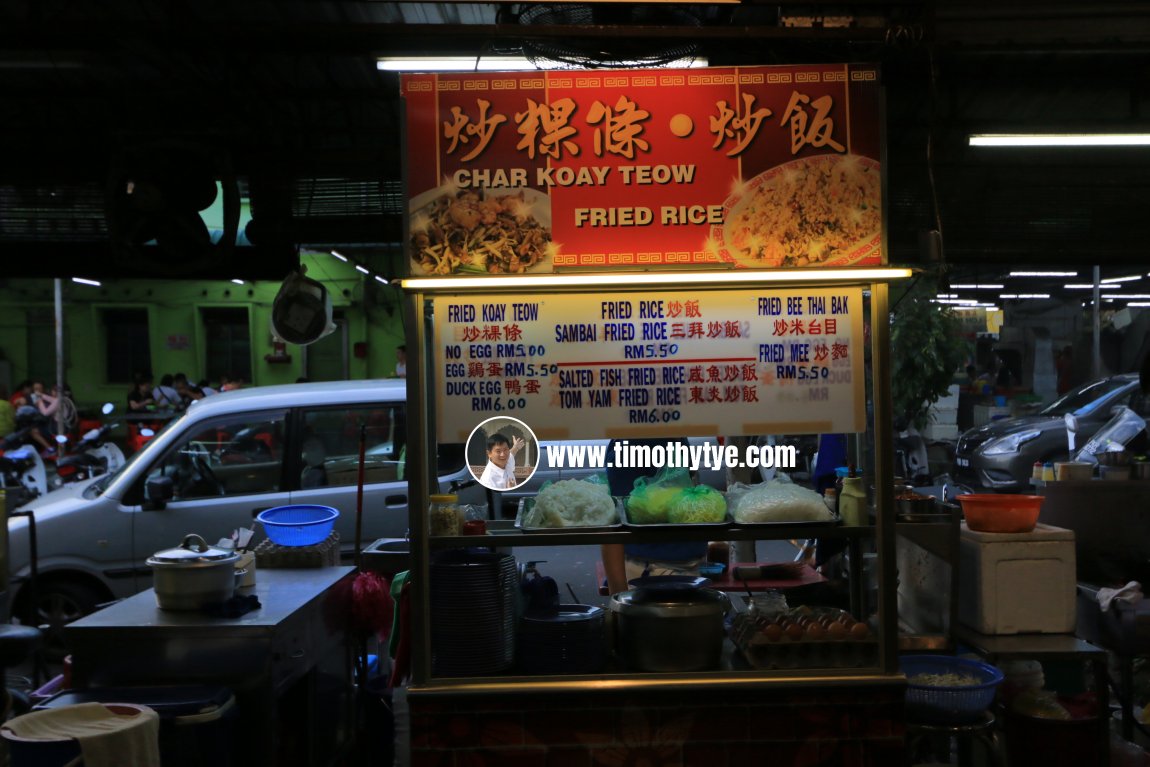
(743, 167)
(645, 364)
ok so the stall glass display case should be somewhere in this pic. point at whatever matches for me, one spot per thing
(869, 656)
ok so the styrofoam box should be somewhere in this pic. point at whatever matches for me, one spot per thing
(1017, 583)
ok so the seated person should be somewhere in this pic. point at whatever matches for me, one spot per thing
(187, 391)
(166, 396)
(499, 474)
(625, 562)
(140, 397)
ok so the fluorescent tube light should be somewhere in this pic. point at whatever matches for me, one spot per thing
(380, 278)
(362, 269)
(977, 287)
(685, 279)
(1025, 295)
(1127, 296)
(1059, 139)
(1087, 286)
(84, 281)
(1044, 274)
(1139, 303)
(339, 255)
(956, 301)
(488, 64)
(1128, 278)
(238, 282)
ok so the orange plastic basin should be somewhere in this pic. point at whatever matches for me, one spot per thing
(1001, 513)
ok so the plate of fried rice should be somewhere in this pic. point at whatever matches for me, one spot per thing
(824, 210)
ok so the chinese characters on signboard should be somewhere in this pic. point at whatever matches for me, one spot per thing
(652, 364)
(761, 167)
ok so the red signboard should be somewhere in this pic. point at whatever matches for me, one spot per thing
(757, 167)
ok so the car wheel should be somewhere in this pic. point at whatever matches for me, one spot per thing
(58, 603)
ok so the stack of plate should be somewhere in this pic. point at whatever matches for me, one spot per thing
(473, 598)
(571, 641)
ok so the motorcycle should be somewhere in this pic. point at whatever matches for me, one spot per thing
(911, 462)
(1113, 437)
(93, 456)
(22, 475)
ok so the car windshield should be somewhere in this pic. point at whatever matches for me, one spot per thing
(1085, 399)
(98, 487)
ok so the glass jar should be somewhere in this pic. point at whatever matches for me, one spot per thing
(443, 514)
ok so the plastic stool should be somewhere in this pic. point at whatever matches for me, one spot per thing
(964, 735)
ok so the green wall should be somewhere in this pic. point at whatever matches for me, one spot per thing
(173, 314)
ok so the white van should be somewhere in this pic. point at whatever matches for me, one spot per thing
(210, 471)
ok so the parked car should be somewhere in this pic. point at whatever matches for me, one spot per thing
(210, 471)
(1000, 455)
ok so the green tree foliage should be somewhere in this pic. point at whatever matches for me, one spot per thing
(926, 350)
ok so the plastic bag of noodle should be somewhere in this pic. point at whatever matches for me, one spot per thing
(650, 502)
(701, 504)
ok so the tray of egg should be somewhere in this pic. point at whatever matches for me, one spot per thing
(804, 637)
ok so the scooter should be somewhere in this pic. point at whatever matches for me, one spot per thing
(94, 455)
(22, 475)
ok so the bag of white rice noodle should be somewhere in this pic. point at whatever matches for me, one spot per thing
(776, 501)
(575, 503)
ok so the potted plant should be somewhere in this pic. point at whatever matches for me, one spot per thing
(926, 350)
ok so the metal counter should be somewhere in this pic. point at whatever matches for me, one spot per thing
(288, 663)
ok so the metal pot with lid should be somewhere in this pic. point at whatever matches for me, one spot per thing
(670, 629)
(193, 574)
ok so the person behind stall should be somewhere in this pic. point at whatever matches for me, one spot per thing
(205, 386)
(625, 562)
(499, 474)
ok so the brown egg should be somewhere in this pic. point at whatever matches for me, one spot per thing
(794, 632)
(815, 631)
(772, 632)
(859, 631)
(836, 631)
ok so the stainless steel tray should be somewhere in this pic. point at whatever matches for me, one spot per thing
(670, 525)
(527, 521)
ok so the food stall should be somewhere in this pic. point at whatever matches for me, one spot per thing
(648, 254)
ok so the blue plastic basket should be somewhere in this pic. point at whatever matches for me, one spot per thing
(302, 525)
(948, 705)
